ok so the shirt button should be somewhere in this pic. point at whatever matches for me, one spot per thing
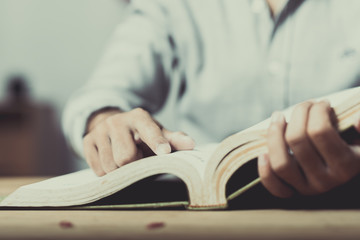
(276, 69)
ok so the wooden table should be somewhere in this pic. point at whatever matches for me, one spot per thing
(245, 224)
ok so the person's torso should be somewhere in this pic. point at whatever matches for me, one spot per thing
(234, 74)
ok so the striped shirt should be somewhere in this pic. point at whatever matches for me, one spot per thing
(214, 67)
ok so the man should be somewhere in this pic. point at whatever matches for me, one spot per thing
(225, 65)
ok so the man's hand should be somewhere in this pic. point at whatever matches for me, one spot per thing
(115, 138)
(307, 155)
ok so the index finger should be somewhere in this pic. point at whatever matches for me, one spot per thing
(150, 132)
(326, 138)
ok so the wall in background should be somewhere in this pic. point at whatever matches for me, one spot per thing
(55, 44)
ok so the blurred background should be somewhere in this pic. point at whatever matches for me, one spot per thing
(48, 48)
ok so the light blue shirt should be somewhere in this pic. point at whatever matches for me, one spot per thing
(219, 66)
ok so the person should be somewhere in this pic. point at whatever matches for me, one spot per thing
(221, 66)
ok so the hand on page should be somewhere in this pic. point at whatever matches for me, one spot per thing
(307, 155)
(115, 138)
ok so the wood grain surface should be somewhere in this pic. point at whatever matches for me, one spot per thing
(242, 224)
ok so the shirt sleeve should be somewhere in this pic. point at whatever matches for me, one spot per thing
(134, 71)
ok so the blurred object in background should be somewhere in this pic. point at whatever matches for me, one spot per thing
(57, 44)
(31, 142)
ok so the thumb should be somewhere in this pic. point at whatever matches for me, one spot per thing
(179, 140)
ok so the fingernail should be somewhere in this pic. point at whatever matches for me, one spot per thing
(277, 117)
(163, 148)
(261, 160)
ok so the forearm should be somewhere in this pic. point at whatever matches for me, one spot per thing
(127, 76)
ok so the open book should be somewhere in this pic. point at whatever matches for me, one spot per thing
(204, 171)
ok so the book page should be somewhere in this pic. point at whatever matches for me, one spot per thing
(347, 98)
(84, 186)
(198, 157)
(67, 181)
